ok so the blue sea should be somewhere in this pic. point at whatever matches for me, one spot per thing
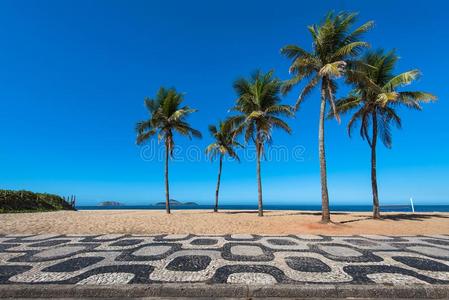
(335, 208)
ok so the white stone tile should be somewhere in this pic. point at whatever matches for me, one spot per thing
(251, 278)
(246, 250)
(152, 250)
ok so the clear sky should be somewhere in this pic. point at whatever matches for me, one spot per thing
(73, 76)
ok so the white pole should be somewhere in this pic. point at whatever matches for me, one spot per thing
(411, 202)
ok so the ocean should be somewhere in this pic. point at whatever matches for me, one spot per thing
(335, 208)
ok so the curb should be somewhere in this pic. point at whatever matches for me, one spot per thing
(199, 290)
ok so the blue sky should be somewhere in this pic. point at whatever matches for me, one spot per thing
(74, 75)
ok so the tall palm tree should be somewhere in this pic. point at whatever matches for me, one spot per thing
(259, 111)
(224, 144)
(374, 99)
(334, 45)
(166, 117)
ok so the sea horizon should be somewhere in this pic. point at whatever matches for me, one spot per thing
(267, 207)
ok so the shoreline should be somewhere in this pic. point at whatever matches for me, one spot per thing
(335, 212)
(278, 222)
(435, 208)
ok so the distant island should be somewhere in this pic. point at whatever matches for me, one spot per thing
(109, 203)
(174, 202)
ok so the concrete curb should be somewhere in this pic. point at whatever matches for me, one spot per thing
(223, 291)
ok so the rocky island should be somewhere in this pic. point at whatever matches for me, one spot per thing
(109, 203)
(174, 203)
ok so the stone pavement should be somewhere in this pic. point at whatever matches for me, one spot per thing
(228, 259)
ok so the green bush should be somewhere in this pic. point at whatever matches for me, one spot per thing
(26, 201)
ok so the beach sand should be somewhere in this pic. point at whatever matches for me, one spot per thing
(224, 222)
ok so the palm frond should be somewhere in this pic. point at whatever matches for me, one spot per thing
(307, 90)
(144, 136)
(284, 110)
(166, 115)
(333, 70)
(376, 94)
(351, 49)
(358, 32)
(276, 122)
(345, 105)
(412, 99)
(257, 104)
(402, 79)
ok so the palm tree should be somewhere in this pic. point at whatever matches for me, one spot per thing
(259, 112)
(334, 45)
(374, 100)
(224, 144)
(166, 118)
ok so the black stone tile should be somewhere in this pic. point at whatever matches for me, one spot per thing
(129, 254)
(437, 242)
(141, 273)
(74, 264)
(359, 273)
(99, 239)
(405, 247)
(281, 242)
(4, 247)
(49, 243)
(360, 242)
(422, 263)
(266, 256)
(307, 264)
(128, 242)
(254, 237)
(189, 263)
(26, 240)
(162, 238)
(31, 256)
(9, 271)
(367, 255)
(323, 238)
(204, 242)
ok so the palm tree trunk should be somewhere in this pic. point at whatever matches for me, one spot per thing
(325, 213)
(376, 209)
(259, 179)
(218, 183)
(167, 193)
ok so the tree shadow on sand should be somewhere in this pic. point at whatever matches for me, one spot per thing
(400, 217)
(280, 213)
(236, 212)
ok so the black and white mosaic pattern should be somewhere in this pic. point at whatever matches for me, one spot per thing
(248, 259)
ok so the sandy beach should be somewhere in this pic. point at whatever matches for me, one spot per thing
(207, 222)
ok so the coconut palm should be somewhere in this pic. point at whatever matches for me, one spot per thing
(374, 99)
(224, 144)
(259, 111)
(334, 45)
(166, 118)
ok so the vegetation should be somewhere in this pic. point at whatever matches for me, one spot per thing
(224, 144)
(258, 111)
(25, 201)
(333, 46)
(374, 101)
(166, 117)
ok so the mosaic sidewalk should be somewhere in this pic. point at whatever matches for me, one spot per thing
(243, 259)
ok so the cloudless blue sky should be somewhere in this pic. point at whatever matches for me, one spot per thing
(73, 76)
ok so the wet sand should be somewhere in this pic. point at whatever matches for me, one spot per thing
(224, 222)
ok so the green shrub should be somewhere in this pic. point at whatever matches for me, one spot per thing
(26, 201)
